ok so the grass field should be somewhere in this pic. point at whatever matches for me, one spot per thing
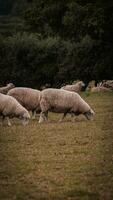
(60, 161)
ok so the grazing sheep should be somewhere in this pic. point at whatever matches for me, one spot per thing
(108, 84)
(27, 97)
(75, 87)
(10, 107)
(61, 101)
(100, 89)
(4, 90)
(47, 85)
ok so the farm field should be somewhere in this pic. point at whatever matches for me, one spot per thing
(72, 160)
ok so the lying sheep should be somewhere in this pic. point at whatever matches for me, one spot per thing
(91, 84)
(27, 97)
(47, 85)
(61, 101)
(100, 89)
(10, 107)
(4, 90)
(74, 88)
(108, 84)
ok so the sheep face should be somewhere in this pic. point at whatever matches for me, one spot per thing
(10, 85)
(89, 115)
(82, 84)
(25, 118)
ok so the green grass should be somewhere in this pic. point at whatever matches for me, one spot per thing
(59, 161)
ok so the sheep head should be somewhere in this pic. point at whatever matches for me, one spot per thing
(89, 114)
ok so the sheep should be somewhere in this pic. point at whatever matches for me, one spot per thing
(27, 97)
(10, 107)
(47, 85)
(62, 101)
(100, 89)
(108, 84)
(91, 84)
(75, 87)
(4, 90)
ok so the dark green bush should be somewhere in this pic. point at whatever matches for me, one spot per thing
(29, 60)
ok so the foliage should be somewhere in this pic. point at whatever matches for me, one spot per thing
(29, 60)
(64, 41)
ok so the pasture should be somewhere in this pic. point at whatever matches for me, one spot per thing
(59, 161)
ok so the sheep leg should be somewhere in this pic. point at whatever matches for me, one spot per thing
(34, 114)
(2, 119)
(64, 115)
(46, 116)
(8, 121)
(42, 117)
(72, 117)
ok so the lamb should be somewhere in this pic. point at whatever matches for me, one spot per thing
(62, 101)
(74, 88)
(10, 107)
(4, 90)
(27, 97)
(100, 89)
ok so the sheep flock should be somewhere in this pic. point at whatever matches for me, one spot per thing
(19, 101)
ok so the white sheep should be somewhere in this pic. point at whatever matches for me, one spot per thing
(75, 87)
(91, 84)
(108, 84)
(27, 97)
(100, 89)
(62, 101)
(5, 89)
(10, 107)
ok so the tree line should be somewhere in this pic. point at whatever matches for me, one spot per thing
(64, 41)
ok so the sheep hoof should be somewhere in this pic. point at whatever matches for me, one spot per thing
(60, 121)
(40, 121)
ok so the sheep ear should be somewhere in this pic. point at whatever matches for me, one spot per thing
(92, 112)
(83, 84)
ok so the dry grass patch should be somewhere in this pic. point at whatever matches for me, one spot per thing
(69, 160)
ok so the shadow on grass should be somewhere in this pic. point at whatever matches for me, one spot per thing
(70, 195)
(75, 195)
(82, 194)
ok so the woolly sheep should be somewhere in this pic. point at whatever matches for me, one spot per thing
(100, 89)
(10, 107)
(47, 85)
(75, 87)
(62, 101)
(108, 84)
(91, 84)
(4, 90)
(27, 97)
